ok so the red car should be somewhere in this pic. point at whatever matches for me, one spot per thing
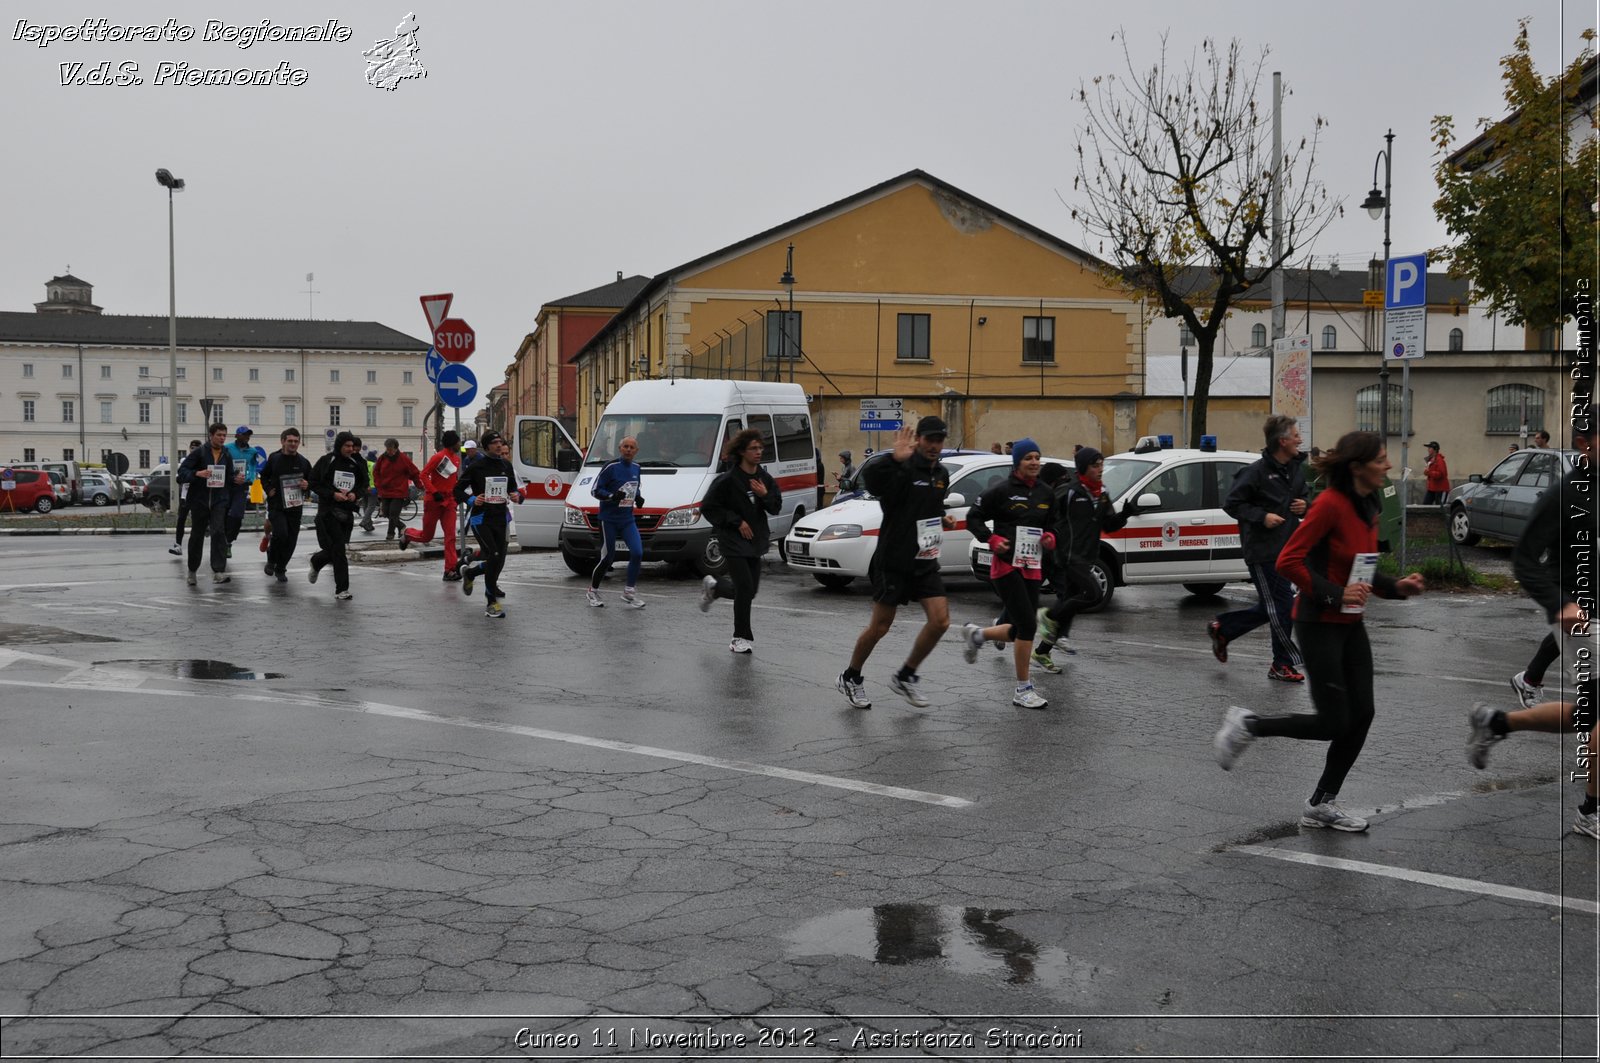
(32, 490)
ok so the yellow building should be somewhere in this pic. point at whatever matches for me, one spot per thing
(911, 289)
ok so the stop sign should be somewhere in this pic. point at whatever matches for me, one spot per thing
(454, 340)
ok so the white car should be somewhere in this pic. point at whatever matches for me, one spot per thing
(835, 544)
(1181, 534)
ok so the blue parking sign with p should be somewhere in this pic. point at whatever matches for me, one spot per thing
(1407, 284)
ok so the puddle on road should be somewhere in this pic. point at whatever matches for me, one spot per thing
(199, 669)
(972, 941)
(40, 635)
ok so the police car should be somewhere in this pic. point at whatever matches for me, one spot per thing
(1181, 535)
(835, 544)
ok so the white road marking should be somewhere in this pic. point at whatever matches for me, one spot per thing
(118, 682)
(1236, 655)
(1425, 878)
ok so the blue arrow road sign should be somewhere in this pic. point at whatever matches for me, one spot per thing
(432, 363)
(1408, 282)
(880, 426)
(457, 386)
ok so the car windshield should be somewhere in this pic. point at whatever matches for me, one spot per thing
(1122, 473)
(666, 440)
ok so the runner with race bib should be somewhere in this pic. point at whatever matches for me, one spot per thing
(489, 484)
(617, 488)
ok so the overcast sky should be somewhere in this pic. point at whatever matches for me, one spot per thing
(553, 144)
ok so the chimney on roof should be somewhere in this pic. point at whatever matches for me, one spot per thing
(619, 275)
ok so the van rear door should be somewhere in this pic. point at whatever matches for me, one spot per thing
(546, 461)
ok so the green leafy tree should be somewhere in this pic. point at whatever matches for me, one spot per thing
(1519, 200)
(1175, 177)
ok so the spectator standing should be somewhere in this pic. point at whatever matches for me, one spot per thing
(393, 474)
(1437, 474)
(737, 504)
(847, 470)
(439, 476)
(209, 473)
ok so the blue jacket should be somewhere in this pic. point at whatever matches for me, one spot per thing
(611, 487)
(244, 460)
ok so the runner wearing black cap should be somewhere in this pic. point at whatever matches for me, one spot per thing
(910, 489)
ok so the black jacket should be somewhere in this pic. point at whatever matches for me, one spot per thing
(322, 479)
(1262, 487)
(1554, 559)
(193, 473)
(907, 491)
(1080, 518)
(280, 466)
(1005, 507)
(729, 501)
(473, 479)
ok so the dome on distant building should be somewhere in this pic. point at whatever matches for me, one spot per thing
(67, 294)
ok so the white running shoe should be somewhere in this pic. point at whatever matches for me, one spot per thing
(972, 639)
(1586, 824)
(631, 599)
(1233, 736)
(1329, 814)
(175, 550)
(907, 688)
(592, 596)
(1530, 694)
(854, 692)
(1028, 698)
(1479, 735)
(741, 646)
(708, 593)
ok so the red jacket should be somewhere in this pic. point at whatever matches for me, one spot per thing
(434, 481)
(1318, 556)
(392, 476)
(1438, 473)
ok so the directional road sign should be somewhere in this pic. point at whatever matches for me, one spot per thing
(886, 407)
(437, 307)
(455, 340)
(881, 426)
(457, 385)
(152, 391)
(432, 363)
(1405, 307)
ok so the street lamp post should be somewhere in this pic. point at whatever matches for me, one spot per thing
(172, 184)
(1379, 205)
(787, 280)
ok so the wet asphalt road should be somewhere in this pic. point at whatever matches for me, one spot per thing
(478, 839)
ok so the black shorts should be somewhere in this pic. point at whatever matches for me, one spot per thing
(898, 586)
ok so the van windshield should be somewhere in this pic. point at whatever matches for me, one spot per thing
(666, 440)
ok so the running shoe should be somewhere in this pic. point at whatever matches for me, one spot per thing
(282, 574)
(708, 593)
(316, 570)
(1530, 694)
(1285, 673)
(230, 549)
(741, 646)
(907, 688)
(405, 541)
(1329, 814)
(221, 577)
(494, 612)
(1480, 736)
(271, 569)
(1232, 737)
(1586, 823)
(855, 692)
(1219, 645)
(193, 579)
(1042, 660)
(972, 637)
(1047, 627)
(342, 596)
(592, 596)
(631, 599)
(1028, 698)
(452, 576)
(468, 579)
(176, 549)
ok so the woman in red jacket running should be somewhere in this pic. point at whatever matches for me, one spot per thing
(1332, 559)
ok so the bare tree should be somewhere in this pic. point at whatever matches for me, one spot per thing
(1175, 174)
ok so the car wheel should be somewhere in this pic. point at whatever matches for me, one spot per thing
(1204, 589)
(1461, 532)
(711, 562)
(44, 505)
(579, 565)
(1106, 576)
(102, 500)
(834, 583)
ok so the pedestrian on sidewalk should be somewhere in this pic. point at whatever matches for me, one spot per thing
(1332, 557)
(340, 481)
(285, 480)
(617, 488)
(1554, 562)
(1015, 517)
(737, 505)
(369, 500)
(1268, 498)
(910, 489)
(393, 474)
(439, 477)
(210, 475)
(489, 485)
(1083, 514)
(1437, 476)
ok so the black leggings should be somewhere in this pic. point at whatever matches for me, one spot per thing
(1020, 599)
(1077, 591)
(1338, 661)
(740, 584)
(334, 524)
(1543, 658)
(492, 534)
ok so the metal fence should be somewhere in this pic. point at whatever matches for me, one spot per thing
(741, 350)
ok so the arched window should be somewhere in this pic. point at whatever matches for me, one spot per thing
(1258, 336)
(1367, 406)
(1510, 405)
(1330, 338)
(1456, 339)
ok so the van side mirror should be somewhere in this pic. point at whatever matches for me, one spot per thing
(568, 461)
(1475, 478)
(955, 501)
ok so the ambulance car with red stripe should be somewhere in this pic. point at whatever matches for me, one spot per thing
(683, 428)
(1180, 534)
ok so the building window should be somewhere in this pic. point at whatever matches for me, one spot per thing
(405, 417)
(27, 409)
(254, 416)
(1258, 336)
(144, 372)
(66, 370)
(1330, 338)
(1513, 405)
(69, 412)
(144, 413)
(783, 334)
(255, 375)
(288, 376)
(68, 454)
(105, 413)
(105, 372)
(1185, 337)
(1039, 340)
(28, 454)
(217, 416)
(333, 414)
(27, 368)
(333, 376)
(290, 410)
(405, 376)
(372, 417)
(372, 376)
(183, 413)
(216, 373)
(912, 340)
(144, 459)
(1457, 340)
(183, 372)
(1367, 404)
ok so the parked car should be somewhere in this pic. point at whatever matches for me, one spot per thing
(1498, 505)
(62, 488)
(100, 490)
(157, 492)
(69, 470)
(33, 490)
(1181, 534)
(133, 486)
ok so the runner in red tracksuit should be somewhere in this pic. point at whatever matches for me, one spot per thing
(438, 502)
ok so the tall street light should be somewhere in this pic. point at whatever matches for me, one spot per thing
(1378, 205)
(172, 184)
(787, 280)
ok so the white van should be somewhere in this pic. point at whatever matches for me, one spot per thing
(683, 427)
